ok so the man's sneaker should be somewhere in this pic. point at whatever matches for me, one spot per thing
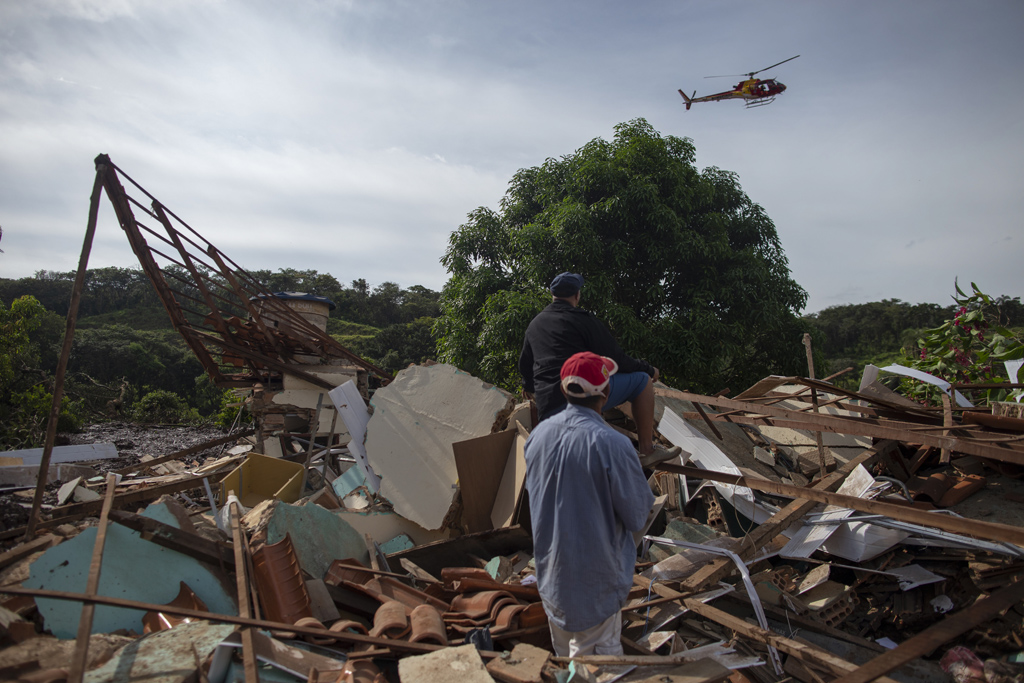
(660, 454)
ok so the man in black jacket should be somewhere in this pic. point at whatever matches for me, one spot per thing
(563, 329)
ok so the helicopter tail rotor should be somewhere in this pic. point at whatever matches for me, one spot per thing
(687, 99)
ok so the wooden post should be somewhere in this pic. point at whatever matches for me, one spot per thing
(244, 607)
(314, 426)
(81, 656)
(818, 441)
(65, 352)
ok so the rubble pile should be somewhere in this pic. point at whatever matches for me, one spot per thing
(371, 528)
(769, 555)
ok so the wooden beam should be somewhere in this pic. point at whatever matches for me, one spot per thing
(173, 538)
(244, 607)
(877, 429)
(989, 531)
(344, 636)
(721, 567)
(92, 586)
(941, 633)
(805, 652)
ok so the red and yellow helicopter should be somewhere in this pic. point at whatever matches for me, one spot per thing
(757, 92)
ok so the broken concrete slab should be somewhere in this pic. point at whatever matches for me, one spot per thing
(409, 438)
(133, 568)
(523, 665)
(164, 656)
(461, 663)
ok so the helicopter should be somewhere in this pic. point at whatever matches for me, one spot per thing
(757, 92)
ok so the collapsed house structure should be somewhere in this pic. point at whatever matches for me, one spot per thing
(373, 528)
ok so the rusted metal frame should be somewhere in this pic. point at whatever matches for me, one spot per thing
(65, 354)
(116, 194)
(301, 338)
(199, 276)
(187, 282)
(244, 608)
(854, 426)
(286, 312)
(328, 341)
(720, 568)
(343, 636)
(943, 632)
(989, 531)
(244, 298)
(266, 360)
(218, 319)
(220, 379)
(92, 586)
(178, 455)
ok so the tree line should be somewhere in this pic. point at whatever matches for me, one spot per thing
(687, 271)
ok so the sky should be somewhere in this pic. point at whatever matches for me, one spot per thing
(352, 137)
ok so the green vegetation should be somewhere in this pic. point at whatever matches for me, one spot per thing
(27, 330)
(128, 363)
(893, 331)
(969, 349)
(687, 271)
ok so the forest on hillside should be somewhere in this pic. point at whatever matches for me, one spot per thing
(127, 361)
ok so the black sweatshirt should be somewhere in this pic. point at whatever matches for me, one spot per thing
(558, 332)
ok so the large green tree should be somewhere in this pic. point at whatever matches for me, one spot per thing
(687, 271)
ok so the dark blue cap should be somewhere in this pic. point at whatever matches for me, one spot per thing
(566, 284)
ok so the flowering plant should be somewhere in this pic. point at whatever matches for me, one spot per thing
(969, 349)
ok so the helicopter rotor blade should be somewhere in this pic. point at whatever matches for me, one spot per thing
(772, 66)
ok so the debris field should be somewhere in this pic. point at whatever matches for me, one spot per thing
(366, 527)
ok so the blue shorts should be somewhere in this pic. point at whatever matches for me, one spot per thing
(626, 387)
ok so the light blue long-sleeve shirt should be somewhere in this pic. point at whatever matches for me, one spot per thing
(587, 494)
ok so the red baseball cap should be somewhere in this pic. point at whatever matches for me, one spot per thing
(589, 372)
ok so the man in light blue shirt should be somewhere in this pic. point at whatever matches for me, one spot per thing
(587, 494)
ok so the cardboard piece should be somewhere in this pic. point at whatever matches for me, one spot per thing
(511, 486)
(481, 464)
